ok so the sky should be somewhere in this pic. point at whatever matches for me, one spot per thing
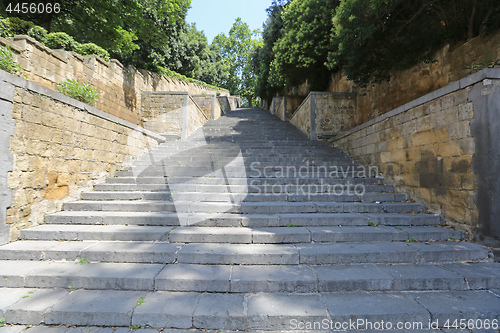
(216, 16)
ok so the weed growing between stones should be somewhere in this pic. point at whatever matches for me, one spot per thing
(82, 261)
(140, 301)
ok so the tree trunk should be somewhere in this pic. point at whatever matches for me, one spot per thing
(46, 18)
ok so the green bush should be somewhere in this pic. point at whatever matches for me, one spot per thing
(11, 26)
(4, 27)
(170, 73)
(7, 62)
(79, 90)
(37, 33)
(61, 40)
(91, 48)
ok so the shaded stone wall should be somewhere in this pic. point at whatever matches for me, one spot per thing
(292, 103)
(324, 114)
(120, 87)
(58, 147)
(174, 113)
(281, 108)
(275, 104)
(426, 147)
(162, 111)
(302, 117)
(196, 118)
(209, 105)
(224, 104)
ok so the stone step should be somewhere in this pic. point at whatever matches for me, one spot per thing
(221, 180)
(223, 188)
(234, 197)
(195, 172)
(244, 220)
(251, 143)
(245, 254)
(238, 235)
(97, 232)
(246, 311)
(243, 207)
(281, 235)
(235, 150)
(249, 278)
(263, 161)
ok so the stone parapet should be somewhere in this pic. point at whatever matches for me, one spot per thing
(442, 148)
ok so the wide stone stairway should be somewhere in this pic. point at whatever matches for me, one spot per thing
(247, 225)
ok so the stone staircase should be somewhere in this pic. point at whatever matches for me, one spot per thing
(247, 225)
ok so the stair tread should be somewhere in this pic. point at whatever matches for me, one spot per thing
(269, 311)
(248, 278)
(259, 254)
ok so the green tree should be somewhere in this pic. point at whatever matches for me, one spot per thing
(372, 38)
(263, 56)
(119, 26)
(236, 50)
(300, 55)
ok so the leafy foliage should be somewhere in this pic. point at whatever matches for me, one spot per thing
(376, 37)
(91, 48)
(301, 53)
(236, 50)
(80, 91)
(61, 40)
(181, 48)
(37, 33)
(263, 56)
(7, 62)
(365, 39)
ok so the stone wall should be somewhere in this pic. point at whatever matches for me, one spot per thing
(224, 104)
(292, 103)
(324, 114)
(281, 108)
(404, 86)
(195, 117)
(427, 148)
(275, 104)
(234, 102)
(334, 113)
(162, 111)
(120, 87)
(173, 113)
(58, 146)
(302, 116)
(209, 105)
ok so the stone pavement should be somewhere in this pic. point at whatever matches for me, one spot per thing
(247, 225)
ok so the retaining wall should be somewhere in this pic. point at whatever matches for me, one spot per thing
(324, 114)
(209, 105)
(52, 148)
(443, 149)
